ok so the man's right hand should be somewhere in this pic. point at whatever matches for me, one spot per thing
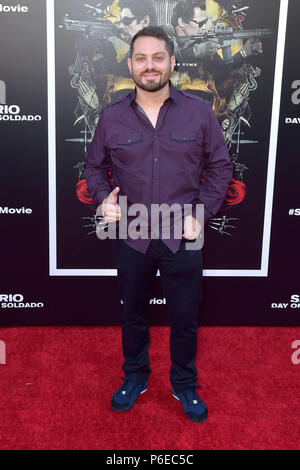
(111, 210)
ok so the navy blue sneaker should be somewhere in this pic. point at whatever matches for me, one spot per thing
(193, 407)
(124, 398)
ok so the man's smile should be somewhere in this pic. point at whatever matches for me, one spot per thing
(151, 75)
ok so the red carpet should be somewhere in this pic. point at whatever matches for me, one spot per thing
(57, 384)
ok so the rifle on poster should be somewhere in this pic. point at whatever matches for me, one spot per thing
(95, 55)
(223, 35)
(93, 38)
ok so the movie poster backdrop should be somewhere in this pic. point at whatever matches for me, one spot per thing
(61, 63)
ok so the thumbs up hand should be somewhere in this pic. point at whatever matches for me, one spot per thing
(110, 208)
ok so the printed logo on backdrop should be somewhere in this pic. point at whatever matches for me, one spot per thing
(13, 8)
(15, 211)
(2, 92)
(13, 112)
(295, 98)
(154, 301)
(292, 303)
(294, 211)
(2, 352)
(18, 301)
(296, 354)
(296, 93)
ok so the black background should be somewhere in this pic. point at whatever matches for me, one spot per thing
(24, 182)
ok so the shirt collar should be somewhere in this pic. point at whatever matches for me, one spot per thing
(174, 94)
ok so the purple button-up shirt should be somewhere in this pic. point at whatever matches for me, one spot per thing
(162, 164)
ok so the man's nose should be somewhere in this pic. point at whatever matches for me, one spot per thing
(150, 63)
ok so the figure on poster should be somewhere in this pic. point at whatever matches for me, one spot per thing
(202, 69)
(102, 50)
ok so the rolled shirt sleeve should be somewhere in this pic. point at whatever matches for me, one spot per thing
(217, 170)
(97, 165)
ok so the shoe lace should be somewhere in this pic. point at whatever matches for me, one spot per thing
(191, 395)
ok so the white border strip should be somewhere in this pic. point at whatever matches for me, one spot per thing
(281, 36)
(51, 136)
(263, 272)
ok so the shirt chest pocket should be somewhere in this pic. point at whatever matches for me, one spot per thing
(127, 149)
(184, 149)
(183, 137)
(129, 139)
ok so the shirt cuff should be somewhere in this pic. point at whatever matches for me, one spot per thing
(100, 196)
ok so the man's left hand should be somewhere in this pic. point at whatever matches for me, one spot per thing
(192, 228)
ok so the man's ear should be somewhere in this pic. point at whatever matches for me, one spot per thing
(173, 61)
(129, 64)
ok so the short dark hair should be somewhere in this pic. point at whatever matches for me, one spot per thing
(140, 9)
(185, 9)
(155, 32)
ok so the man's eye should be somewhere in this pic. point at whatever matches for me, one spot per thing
(158, 58)
(140, 59)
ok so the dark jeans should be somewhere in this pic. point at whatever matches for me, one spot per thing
(181, 277)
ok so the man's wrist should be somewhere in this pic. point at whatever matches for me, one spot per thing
(101, 198)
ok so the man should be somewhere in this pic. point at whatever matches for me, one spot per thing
(189, 18)
(218, 80)
(155, 140)
(110, 55)
(136, 16)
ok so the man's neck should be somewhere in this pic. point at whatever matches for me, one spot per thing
(152, 99)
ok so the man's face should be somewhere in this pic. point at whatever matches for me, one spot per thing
(196, 25)
(150, 65)
(129, 24)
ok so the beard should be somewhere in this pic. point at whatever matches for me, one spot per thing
(152, 85)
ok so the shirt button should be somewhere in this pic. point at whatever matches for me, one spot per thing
(156, 159)
(156, 182)
(183, 138)
(156, 136)
(129, 140)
